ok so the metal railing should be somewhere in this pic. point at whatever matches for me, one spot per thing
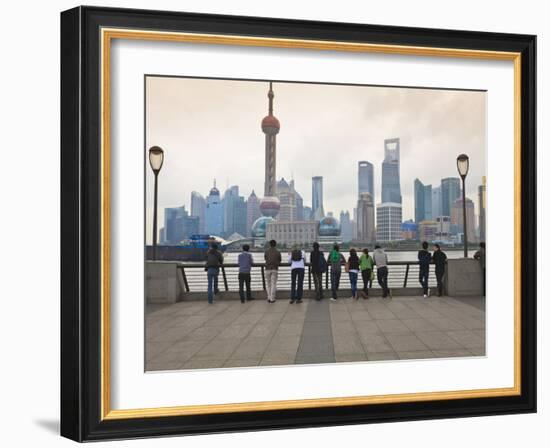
(401, 274)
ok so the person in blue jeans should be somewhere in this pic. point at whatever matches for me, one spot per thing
(424, 260)
(297, 271)
(352, 267)
(214, 260)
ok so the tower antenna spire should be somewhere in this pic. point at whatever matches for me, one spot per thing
(270, 95)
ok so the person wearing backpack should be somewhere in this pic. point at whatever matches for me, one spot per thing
(297, 270)
(440, 259)
(214, 260)
(366, 265)
(381, 261)
(352, 269)
(424, 259)
(318, 268)
(335, 261)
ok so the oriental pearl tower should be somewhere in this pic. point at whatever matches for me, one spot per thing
(269, 205)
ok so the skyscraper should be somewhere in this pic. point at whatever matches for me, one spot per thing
(391, 187)
(365, 178)
(365, 218)
(214, 212)
(450, 192)
(235, 213)
(198, 209)
(482, 191)
(299, 204)
(436, 202)
(178, 225)
(317, 197)
(345, 223)
(458, 219)
(389, 216)
(269, 205)
(287, 199)
(422, 201)
(252, 211)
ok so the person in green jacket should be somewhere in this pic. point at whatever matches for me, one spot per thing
(366, 264)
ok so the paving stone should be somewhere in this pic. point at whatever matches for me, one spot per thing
(218, 349)
(247, 362)
(203, 363)
(381, 356)
(391, 326)
(192, 335)
(445, 324)
(452, 353)
(424, 354)
(478, 351)
(350, 357)
(251, 347)
(277, 360)
(236, 331)
(405, 342)
(164, 365)
(375, 343)
(437, 340)
(466, 338)
(419, 324)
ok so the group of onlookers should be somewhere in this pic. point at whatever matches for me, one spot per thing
(331, 265)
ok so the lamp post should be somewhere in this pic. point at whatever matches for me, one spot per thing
(463, 164)
(156, 159)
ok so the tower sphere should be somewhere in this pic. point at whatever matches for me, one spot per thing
(270, 206)
(270, 125)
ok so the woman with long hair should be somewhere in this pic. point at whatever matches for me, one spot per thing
(353, 270)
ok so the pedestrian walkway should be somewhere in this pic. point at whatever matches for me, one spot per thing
(195, 335)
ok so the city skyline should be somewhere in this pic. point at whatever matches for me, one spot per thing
(340, 178)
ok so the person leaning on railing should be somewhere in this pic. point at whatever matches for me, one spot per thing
(381, 261)
(214, 260)
(272, 259)
(318, 268)
(366, 264)
(335, 261)
(439, 259)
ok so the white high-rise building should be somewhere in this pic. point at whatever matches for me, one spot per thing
(389, 216)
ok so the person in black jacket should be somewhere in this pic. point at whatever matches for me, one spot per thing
(214, 260)
(439, 258)
(424, 259)
(318, 267)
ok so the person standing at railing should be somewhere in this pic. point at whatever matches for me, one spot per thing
(318, 268)
(366, 265)
(381, 261)
(297, 270)
(335, 261)
(424, 259)
(245, 266)
(439, 259)
(480, 256)
(352, 268)
(214, 260)
(272, 259)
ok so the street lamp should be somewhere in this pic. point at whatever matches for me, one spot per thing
(462, 165)
(156, 159)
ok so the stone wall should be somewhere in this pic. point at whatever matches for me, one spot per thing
(161, 282)
(464, 277)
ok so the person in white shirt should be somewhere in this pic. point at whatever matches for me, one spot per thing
(297, 270)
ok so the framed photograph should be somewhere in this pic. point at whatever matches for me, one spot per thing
(274, 223)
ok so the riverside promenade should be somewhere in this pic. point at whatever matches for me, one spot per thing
(195, 335)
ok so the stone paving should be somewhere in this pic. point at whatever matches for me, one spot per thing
(195, 335)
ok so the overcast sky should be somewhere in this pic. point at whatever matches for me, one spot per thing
(211, 129)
